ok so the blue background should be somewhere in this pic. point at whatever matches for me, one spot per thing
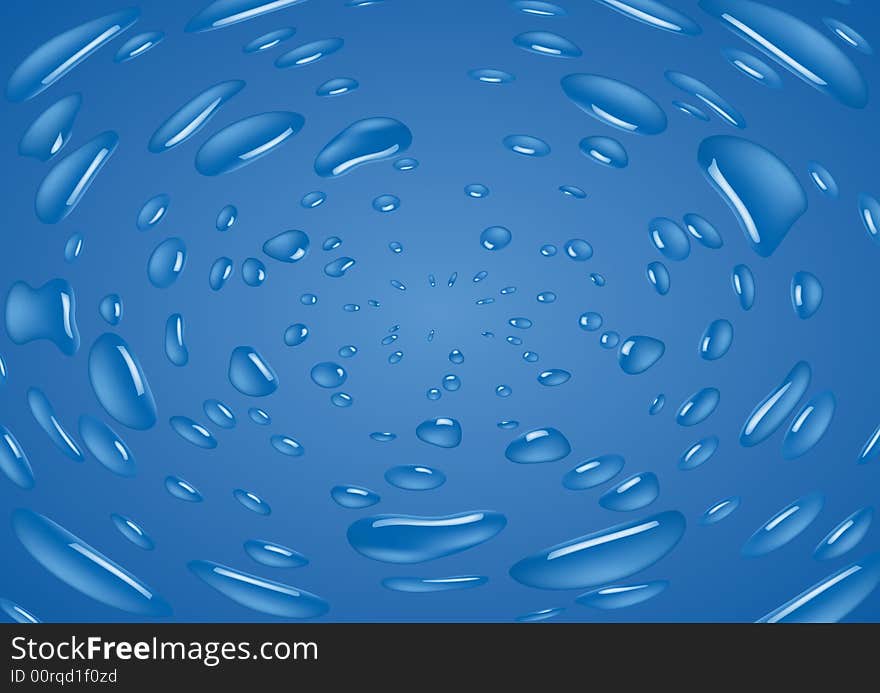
(411, 59)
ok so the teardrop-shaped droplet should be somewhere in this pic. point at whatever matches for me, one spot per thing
(809, 425)
(414, 538)
(657, 404)
(593, 472)
(822, 179)
(354, 497)
(547, 43)
(250, 374)
(415, 477)
(182, 490)
(219, 414)
(752, 67)
(806, 294)
(51, 130)
(442, 432)
(637, 354)
(64, 186)
(14, 462)
(153, 211)
(605, 151)
(337, 86)
(622, 596)
(698, 407)
(287, 246)
(132, 531)
(274, 555)
(82, 567)
(655, 14)
(175, 346)
(226, 218)
(720, 510)
(804, 51)
(658, 276)
(106, 446)
(633, 493)
(364, 141)
(698, 454)
(221, 271)
(526, 145)
(60, 54)
(269, 40)
(703, 231)
(604, 556)
(296, 334)
(192, 116)
(845, 536)
(193, 432)
(772, 411)
(251, 501)
(669, 238)
(246, 140)
(553, 377)
(259, 594)
(309, 53)
(710, 98)
(288, 446)
(760, 189)
(833, 598)
(784, 525)
(110, 309)
(137, 45)
(538, 446)
(716, 340)
(615, 103)
(120, 384)
(48, 312)
(743, 282)
(166, 262)
(253, 272)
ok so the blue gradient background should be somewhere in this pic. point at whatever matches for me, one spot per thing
(411, 59)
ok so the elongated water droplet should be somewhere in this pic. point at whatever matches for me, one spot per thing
(193, 432)
(274, 555)
(703, 231)
(488, 75)
(153, 211)
(132, 531)
(605, 151)
(219, 414)
(698, 407)
(784, 526)
(710, 98)
(175, 346)
(337, 86)
(848, 35)
(354, 497)
(526, 145)
(246, 140)
(106, 446)
(622, 596)
(309, 53)
(538, 446)
(51, 130)
(655, 14)
(328, 374)
(553, 377)
(120, 384)
(221, 271)
(633, 493)
(14, 462)
(772, 411)
(287, 446)
(192, 116)
(222, 13)
(809, 425)
(537, 8)
(547, 43)
(615, 103)
(845, 536)
(698, 454)
(720, 510)
(669, 238)
(743, 282)
(442, 432)
(658, 276)
(296, 334)
(269, 40)
(415, 477)
(226, 218)
(137, 45)
(251, 501)
(752, 67)
(657, 404)
(362, 142)
(593, 472)
(182, 490)
(166, 262)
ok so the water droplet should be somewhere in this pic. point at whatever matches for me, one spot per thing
(593, 472)
(274, 555)
(259, 594)
(120, 384)
(538, 8)
(590, 322)
(597, 279)
(615, 103)
(362, 142)
(296, 334)
(106, 446)
(386, 203)
(822, 179)
(772, 411)
(526, 145)
(703, 231)
(253, 272)
(655, 14)
(193, 432)
(187, 120)
(337, 87)
(400, 286)
(657, 404)
(395, 247)
(538, 446)
(553, 377)
(638, 354)
(541, 615)
(784, 525)
(166, 262)
(14, 461)
(578, 250)
(831, 599)
(328, 374)
(601, 557)
(385, 437)
(246, 140)
(752, 67)
(452, 277)
(354, 497)
(604, 150)
(223, 13)
(219, 414)
(287, 446)
(221, 270)
(287, 246)
(547, 43)
(480, 276)
(406, 164)
(337, 268)
(698, 407)
(259, 417)
(252, 502)
(806, 294)
(744, 286)
(669, 238)
(60, 54)
(848, 35)
(425, 585)
(546, 297)
(442, 431)
(710, 98)
(716, 340)
(132, 531)
(572, 191)
(495, 238)
(433, 394)
(633, 493)
(869, 211)
(83, 567)
(530, 356)
(138, 45)
(226, 218)
(414, 538)
(794, 44)
(269, 40)
(520, 323)
(250, 374)
(17, 613)
(73, 247)
(720, 510)
(691, 110)
(153, 211)
(67, 182)
(845, 536)
(415, 477)
(455, 356)
(51, 130)
(476, 190)
(622, 596)
(309, 53)
(488, 75)
(698, 454)
(341, 399)
(609, 340)
(175, 346)
(503, 391)
(312, 200)
(658, 276)
(809, 426)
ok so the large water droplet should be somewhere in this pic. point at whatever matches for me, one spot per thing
(633, 493)
(784, 525)
(45, 313)
(615, 103)
(187, 120)
(538, 446)
(772, 411)
(809, 425)
(845, 536)
(250, 373)
(442, 432)
(246, 140)
(637, 354)
(107, 447)
(50, 130)
(362, 142)
(120, 384)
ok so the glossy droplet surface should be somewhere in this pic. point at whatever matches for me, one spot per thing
(287, 246)
(48, 312)
(605, 151)
(415, 477)
(354, 497)
(701, 229)
(716, 340)
(637, 354)
(526, 145)
(223, 13)
(622, 596)
(655, 14)
(669, 238)
(219, 414)
(495, 238)
(251, 501)
(593, 472)
(132, 531)
(720, 510)
(538, 446)
(309, 53)
(274, 555)
(785, 525)
(442, 432)
(246, 140)
(14, 462)
(192, 116)
(182, 490)
(547, 43)
(698, 454)
(418, 585)
(50, 130)
(743, 282)
(638, 491)
(175, 345)
(193, 432)
(250, 373)
(153, 211)
(364, 141)
(269, 40)
(337, 86)
(166, 262)
(698, 407)
(120, 383)
(138, 45)
(806, 294)
(106, 446)
(772, 411)
(809, 425)
(658, 277)
(845, 536)
(752, 67)
(615, 103)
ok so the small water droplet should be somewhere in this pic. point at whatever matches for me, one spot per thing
(226, 218)
(219, 414)
(605, 151)
(354, 497)
(784, 526)
(253, 272)
(106, 446)
(698, 454)
(845, 536)
(50, 130)
(809, 425)
(488, 75)
(658, 276)
(269, 40)
(638, 354)
(252, 502)
(720, 510)
(415, 477)
(743, 282)
(337, 86)
(288, 446)
(274, 555)
(806, 294)
(309, 53)
(669, 238)
(153, 211)
(132, 531)
(703, 231)
(698, 407)
(442, 432)
(221, 271)
(526, 145)
(633, 493)
(288, 246)
(752, 67)
(14, 461)
(538, 446)
(547, 43)
(615, 103)
(622, 596)
(137, 45)
(166, 262)
(655, 14)
(772, 411)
